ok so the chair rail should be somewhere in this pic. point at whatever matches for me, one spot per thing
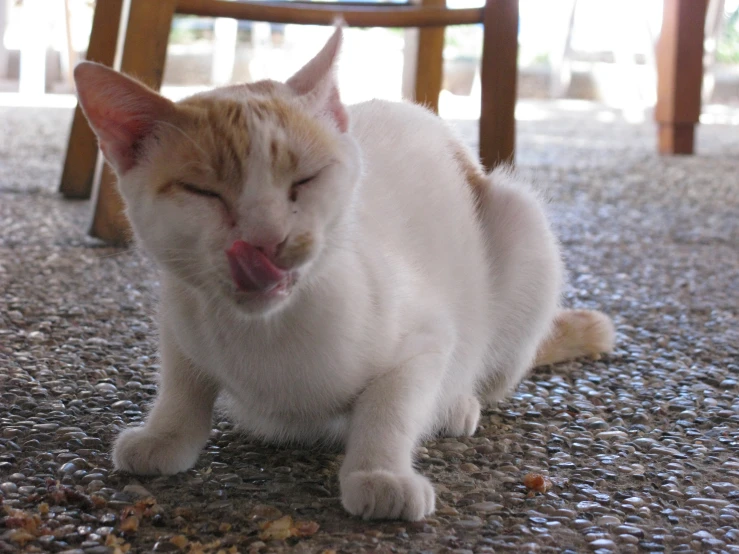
(324, 13)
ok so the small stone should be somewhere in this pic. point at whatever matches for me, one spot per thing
(136, 490)
(95, 485)
(121, 404)
(596, 423)
(68, 468)
(628, 530)
(608, 520)
(723, 487)
(565, 512)
(645, 443)
(667, 452)
(607, 435)
(98, 550)
(713, 544)
(486, 507)
(469, 523)
(715, 502)
(451, 447)
(587, 506)
(46, 427)
(603, 543)
(9, 488)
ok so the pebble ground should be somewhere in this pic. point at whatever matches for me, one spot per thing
(641, 447)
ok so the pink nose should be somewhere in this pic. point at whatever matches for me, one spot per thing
(252, 268)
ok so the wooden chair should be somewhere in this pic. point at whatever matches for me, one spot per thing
(145, 47)
(680, 74)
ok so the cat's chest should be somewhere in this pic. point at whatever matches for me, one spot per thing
(303, 370)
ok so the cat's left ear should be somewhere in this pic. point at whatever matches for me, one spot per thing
(316, 82)
(120, 110)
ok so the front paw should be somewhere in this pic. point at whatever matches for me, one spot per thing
(462, 417)
(138, 450)
(382, 494)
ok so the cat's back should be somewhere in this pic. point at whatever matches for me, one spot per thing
(415, 203)
(398, 131)
(413, 179)
(407, 150)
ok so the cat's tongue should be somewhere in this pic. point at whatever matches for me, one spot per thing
(250, 269)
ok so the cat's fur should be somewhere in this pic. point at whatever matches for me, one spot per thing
(379, 302)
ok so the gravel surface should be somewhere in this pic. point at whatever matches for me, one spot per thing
(641, 448)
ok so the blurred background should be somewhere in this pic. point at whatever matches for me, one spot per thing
(571, 52)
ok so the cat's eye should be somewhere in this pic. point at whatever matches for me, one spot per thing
(296, 185)
(189, 187)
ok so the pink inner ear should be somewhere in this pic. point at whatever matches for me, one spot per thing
(121, 111)
(337, 110)
(316, 81)
(119, 134)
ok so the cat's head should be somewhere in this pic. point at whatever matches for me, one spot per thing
(240, 191)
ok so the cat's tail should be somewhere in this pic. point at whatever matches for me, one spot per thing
(576, 333)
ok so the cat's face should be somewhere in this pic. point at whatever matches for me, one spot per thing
(241, 197)
(238, 192)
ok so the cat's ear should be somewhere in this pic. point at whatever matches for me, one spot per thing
(316, 82)
(121, 111)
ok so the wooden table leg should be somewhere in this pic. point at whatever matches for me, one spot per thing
(680, 74)
(430, 62)
(144, 53)
(82, 148)
(499, 72)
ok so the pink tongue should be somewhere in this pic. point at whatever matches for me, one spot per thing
(250, 269)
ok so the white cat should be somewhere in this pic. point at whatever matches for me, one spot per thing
(334, 274)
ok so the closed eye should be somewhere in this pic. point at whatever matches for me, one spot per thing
(304, 181)
(189, 187)
(297, 184)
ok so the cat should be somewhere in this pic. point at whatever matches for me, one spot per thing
(334, 274)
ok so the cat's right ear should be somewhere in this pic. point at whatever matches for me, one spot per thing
(121, 111)
(316, 81)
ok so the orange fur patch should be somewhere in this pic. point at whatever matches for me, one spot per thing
(576, 333)
(216, 136)
(220, 128)
(297, 249)
(473, 173)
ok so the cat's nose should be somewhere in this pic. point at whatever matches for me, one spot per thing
(269, 248)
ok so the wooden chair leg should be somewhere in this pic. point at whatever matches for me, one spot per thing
(430, 62)
(144, 53)
(82, 148)
(498, 76)
(680, 74)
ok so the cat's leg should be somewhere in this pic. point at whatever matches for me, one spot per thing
(377, 477)
(179, 423)
(460, 419)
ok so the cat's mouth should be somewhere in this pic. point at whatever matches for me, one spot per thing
(254, 274)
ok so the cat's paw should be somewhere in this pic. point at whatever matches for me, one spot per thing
(382, 494)
(141, 452)
(463, 417)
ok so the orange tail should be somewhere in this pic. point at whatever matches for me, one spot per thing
(576, 333)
